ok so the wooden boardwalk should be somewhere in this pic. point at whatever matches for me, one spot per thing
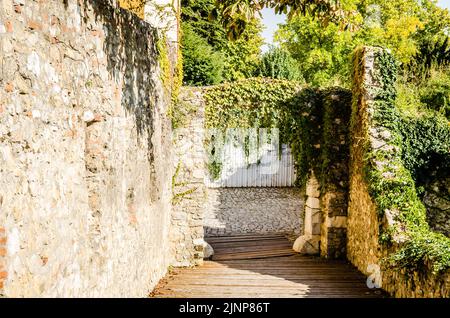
(263, 266)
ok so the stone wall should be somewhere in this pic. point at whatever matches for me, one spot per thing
(364, 248)
(253, 210)
(437, 202)
(3, 272)
(334, 172)
(85, 159)
(309, 241)
(189, 200)
(325, 230)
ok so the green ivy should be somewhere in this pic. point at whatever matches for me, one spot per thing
(426, 145)
(249, 103)
(392, 170)
(297, 112)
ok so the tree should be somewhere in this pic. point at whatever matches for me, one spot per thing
(278, 63)
(239, 58)
(323, 52)
(235, 15)
(433, 41)
(201, 64)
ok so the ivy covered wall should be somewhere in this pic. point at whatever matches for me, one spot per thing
(387, 220)
(297, 111)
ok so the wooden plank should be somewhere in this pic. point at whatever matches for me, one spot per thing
(264, 266)
(250, 247)
(262, 254)
(248, 236)
(225, 248)
(254, 293)
(211, 240)
(270, 283)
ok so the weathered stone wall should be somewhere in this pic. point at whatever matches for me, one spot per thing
(437, 202)
(85, 160)
(253, 210)
(189, 201)
(309, 241)
(325, 230)
(335, 172)
(364, 248)
(3, 272)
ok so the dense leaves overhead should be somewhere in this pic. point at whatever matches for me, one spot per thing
(415, 31)
(236, 14)
(279, 64)
(230, 60)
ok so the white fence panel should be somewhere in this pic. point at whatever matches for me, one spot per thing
(266, 169)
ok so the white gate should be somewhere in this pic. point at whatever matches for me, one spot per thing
(268, 165)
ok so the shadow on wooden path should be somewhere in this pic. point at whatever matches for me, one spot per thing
(248, 266)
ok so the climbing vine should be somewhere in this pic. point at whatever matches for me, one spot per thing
(251, 103)
(392, 169)
(177, 197)
(295, 110)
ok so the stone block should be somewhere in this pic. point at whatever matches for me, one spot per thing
(337, 221)
(208, 251)
(315, 229)
(313, 203)
(313, 190)
(307, 244)
(316, 216)
(308, 225)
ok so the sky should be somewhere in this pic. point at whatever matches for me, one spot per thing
(444, 3)
(271, 21)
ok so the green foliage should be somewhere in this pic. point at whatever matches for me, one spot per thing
(426, 145)
(433, 40)
(235, 15)
(242, 56)
(408, 98)
(431, 53)
(248, 103)
(391, 171)
(322, 53)
(425, 246)
(414, 31)
(279, 64)
(283, 104)
(435, 92)
(202, 65)
(235, 59)
(419, 95)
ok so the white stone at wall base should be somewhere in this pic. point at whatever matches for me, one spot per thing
(208, 251)
(307, 244)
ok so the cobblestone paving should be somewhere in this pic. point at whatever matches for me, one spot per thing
(253, 210)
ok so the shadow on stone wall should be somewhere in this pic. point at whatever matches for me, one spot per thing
(131, 49)
(436, 198)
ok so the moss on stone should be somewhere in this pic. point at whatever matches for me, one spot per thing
(391, 184)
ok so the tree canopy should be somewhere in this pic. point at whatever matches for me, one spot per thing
(236, 14)
(228, 60)
(415, 31)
